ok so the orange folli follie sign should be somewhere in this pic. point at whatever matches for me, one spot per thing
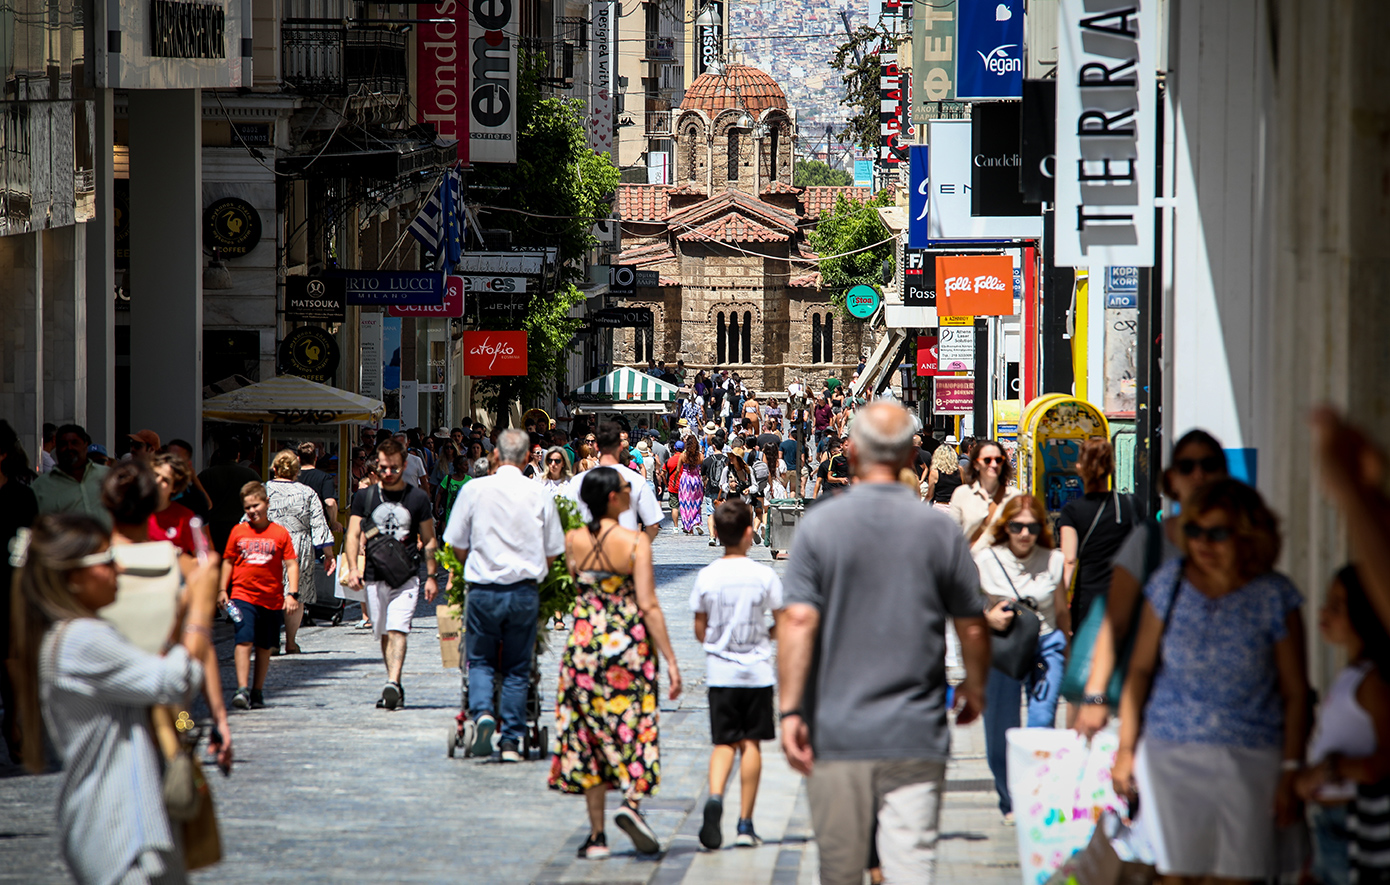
(974, 285)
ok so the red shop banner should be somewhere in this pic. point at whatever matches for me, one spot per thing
(926, 356)
(974, 285)
(488, 354)
(452, 306)
(954, 395)
(441, 70)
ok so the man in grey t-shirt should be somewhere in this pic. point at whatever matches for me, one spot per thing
(874, 575)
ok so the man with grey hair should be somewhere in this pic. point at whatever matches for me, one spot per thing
(506, 530)
(873, 569)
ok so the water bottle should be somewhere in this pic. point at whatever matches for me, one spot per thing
(233, 612)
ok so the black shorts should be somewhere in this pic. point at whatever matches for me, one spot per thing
(741, 714)
(259, 626)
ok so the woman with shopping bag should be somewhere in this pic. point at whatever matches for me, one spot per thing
(1021, 577)
(1217, 690)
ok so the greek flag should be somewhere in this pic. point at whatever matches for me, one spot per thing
(437, 227)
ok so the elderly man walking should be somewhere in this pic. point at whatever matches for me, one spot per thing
(874, 569)
(506, 530)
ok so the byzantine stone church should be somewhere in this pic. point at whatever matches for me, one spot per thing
(739, 287)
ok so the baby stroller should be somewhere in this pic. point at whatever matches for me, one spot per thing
(537, 736)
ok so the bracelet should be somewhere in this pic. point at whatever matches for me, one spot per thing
(1098, 699)
(785, 714)
(197, 628)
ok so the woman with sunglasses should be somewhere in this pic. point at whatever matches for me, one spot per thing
(1218, 691)
(1093, 526)
(1021, 577)
(557, 470)
(588, 454)
(976, 507)
(94, 690)
(1197, 459)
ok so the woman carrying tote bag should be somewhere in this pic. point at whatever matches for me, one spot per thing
(1021, 574)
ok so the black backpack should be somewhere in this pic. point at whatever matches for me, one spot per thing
(390, 559)
(711, 471)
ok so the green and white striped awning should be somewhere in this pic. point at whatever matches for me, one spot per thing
(626, 386)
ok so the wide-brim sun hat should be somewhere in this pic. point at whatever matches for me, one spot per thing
(711, 427)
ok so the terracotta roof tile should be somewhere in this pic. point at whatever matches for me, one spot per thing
(647, 254)
(781, 187)
(740, 86)
(734, 228)
(821, 200)
(806, 281)
(643, 202)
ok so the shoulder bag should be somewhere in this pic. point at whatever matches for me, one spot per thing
(391, 561)
(1014, 650)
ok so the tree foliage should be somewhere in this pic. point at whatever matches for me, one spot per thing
(853, 227)
(857, 61)
(556, 174)
(814, 173)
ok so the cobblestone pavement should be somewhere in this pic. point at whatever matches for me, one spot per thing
(327, 788)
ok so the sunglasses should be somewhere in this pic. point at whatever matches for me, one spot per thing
(1214, 535)
(1209, 464)
(105, 557)
(554, 460)
(991, 459)
(1017, 528)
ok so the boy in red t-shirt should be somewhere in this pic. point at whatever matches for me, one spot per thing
(258, 565)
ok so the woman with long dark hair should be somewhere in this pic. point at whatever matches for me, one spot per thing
(606, 712)
(94, 690)
(1093, 527)
(690, 491)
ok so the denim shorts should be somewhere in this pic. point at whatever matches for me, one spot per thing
(259, 626)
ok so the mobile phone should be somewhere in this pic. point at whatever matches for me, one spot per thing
(200, 540)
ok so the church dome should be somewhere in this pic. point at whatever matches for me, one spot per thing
(740, 86)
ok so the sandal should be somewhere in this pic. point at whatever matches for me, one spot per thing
(293, 649)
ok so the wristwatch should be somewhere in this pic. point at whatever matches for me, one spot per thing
(1099, 700)
(786, 713)
(294, 596)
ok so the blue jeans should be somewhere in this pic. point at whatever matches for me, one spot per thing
(500, 636)
(1330, 840)
(1002, 708)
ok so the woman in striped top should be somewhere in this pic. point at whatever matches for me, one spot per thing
(94, 690)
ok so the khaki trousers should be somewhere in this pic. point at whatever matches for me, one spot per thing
(903, 794)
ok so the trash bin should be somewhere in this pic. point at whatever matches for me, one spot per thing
(782, 517)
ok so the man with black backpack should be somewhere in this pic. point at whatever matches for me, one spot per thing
(391, 522)
(712, 472)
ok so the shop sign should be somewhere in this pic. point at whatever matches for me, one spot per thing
(441, 70)
(314, 299)
(648, 279)
(528, 263)
(956, 321)
(890, 109)
(506, 285)
(489, 354)
(989, 51)
(917, 196)
(1106, 132)
(1039, 151)
(601, 58)
(949, 210)
(1121, 288)
(369, 334)
(386, 287)
(956, 348)
(919, 278)
(709, 39)
(492, 26)
(452, 306)
(953, 395)
(309, 352)
(927, 360)
(864, 173)
(933, 55)
(995, 162)
(231, 226)
(862, 301)
(251, 134)
(622, 280)
(623, 318)
(974, 285)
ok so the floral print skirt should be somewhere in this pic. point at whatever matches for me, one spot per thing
(606, 711)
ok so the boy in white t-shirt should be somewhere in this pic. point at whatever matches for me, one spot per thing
(731, 600)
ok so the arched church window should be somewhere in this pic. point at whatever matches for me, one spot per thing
(733, 155)
(691, 136)
(828, 345)
(733, 337)
(747, 336)
(815, 337)
(772, 155)
(719, 340)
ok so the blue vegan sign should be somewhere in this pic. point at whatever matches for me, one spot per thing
(918, 181)
(989, 50)
(391, 287)
(862, 301)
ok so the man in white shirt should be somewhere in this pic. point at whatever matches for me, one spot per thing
(506, 530)
(415, 472)
(645, 512)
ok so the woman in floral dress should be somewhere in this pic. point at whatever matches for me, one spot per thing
(606, 712)
(691, 491)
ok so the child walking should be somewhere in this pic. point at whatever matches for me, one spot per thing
(731, 600)
(1347, 781)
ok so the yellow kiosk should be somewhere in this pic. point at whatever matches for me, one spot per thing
(1050, 434)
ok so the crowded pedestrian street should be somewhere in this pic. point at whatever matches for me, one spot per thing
(327, 788)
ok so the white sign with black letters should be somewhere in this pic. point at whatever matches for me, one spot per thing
(1106, 132)
(955, 349)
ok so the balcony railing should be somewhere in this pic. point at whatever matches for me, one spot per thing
(658, 123)
(661, 49)
(325, 57)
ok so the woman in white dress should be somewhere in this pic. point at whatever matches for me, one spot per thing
(298, 508)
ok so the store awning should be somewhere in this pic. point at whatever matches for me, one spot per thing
(626, 385)
(288, 399)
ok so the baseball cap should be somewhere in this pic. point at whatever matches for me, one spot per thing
(680, 446)
(148, 437)
(98, 449)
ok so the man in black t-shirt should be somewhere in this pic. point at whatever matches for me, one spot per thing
(832, 477)
(403, 514)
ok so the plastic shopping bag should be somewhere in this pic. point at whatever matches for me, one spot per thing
(1061, 786)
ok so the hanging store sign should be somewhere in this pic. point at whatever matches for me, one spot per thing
(933, 55)
(1121, 288)
(974, 285)
(601, 58)
(622, 318)
(709, 39)
(862, 301)
(369, 335)
(995, 160)
(956, 348)
(919, 278)
(989, 51)
(1039, 153)
(309, 352)
(953, 395)
(492, 26)
(532, 264)
(927, 361)
(948, 211)
(890, 109)
(917, 196)
(504, 285)
(315, 299)
(452, 306)
(231, 226)
(493, 354)
(1106, 122)
(386, 287)
(441, 71)
(622, 280)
